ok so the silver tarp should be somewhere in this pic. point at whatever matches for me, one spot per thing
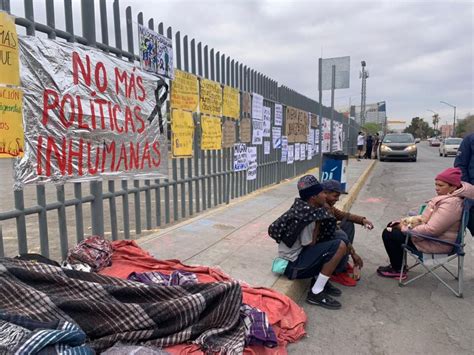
(87, 115)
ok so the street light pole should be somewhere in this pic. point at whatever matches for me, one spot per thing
(454, 121)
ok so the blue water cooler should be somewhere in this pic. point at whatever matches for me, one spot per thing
(334, 168)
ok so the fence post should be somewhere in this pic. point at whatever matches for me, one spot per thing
(97, 208)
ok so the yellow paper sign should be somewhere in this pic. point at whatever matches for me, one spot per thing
(210, 98)
(231, 103)
(182, 130)
(12, 139)
(9, 65)
(184, 91)
(211, 137)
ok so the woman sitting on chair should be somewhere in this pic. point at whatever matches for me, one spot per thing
(440, 219)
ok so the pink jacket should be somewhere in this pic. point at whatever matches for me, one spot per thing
(443, 216)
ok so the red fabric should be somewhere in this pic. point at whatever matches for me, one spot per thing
(286, 317)
(452, 176)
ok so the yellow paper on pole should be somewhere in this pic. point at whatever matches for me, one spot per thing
(184, 91)
(9, 63)
(211, 137)
(210, 98)
(182, 131)
(231, 103)
(12, 139)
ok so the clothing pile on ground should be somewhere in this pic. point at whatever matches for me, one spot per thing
(162, 306)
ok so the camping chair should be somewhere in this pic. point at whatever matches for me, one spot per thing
(432, 262)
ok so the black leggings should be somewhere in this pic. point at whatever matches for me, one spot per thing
(393, 245)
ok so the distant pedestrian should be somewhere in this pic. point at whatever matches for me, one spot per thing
(360, 144)
(465, 161)
(369, 143)
(376, 145)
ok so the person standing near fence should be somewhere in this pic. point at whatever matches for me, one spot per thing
(360, 145)
(376, 145)
(368, 147)
(465, 161)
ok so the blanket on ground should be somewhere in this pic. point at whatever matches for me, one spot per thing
(110, 309)
(285, 316)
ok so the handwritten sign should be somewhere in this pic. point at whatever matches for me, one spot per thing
(266, 147)
(314, 120)
(89, 115)
(228, 134)
(12, 140)
(231, 103)
(292, 126)
(211, 138)
(257, 106)
(278, 115)
(284, 148)
(211, 98)
(182, 131)
(326, 142)
(184, 91)
(257, 134)
(240, 157)
(310, 152)
(291, 154)
(267, 121)
(246, 105)
(303, 126)
(245, 130)
(252, 160)
(276, 137)
(9, 63)
(303, 151)
(156, 52)
(297, 151)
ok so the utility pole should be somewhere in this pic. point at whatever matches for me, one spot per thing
(364, 74)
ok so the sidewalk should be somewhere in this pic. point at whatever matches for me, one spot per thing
(234, 237)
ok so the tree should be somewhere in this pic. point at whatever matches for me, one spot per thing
(372, 128)
(435, 123)
(465, 126)
(419, 128)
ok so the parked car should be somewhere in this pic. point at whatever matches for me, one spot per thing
(435, 142)
(449, 146)
(398, 146)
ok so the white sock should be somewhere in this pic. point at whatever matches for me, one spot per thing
(318, 286)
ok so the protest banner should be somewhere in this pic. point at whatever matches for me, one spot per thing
(182, 133)
(184, 91)
(211, 138)
(292, 125)
(231, 103)
(228, 134)
(240, 157)
(278, 115)
(266, 147)
(326, 142)
(252, 161)
(9, 63)
(303, 151)
(297, 151)
(211, 98)
(257, 106)
(276, 137)
(267, 121)
(303, 126)
(245, 130)
(291, 154)
(156, 52)
(246, 106)
(284, 148)
(12, 140)
(87, 115)
(257, 132)
(310, 151)
(314, 120)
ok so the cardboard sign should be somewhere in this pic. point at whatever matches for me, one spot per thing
(246, 104)
(245, 130)
(184, 91)
(9, 53)
(211, 138)
(211, 98)
(12, 141)
(182, 132)
(231, 103)
(228, 134)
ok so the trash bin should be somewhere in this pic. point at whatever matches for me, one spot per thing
(334, 168)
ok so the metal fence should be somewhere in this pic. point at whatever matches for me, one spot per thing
(40, 218)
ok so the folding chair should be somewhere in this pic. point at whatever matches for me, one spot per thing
(431, 262)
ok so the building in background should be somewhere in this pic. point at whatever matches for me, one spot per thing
(374, 113)
(447, 130)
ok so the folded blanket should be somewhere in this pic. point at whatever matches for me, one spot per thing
(110, 309)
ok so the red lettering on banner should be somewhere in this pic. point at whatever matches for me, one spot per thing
(59, 154)
(137, 111)
(39, 156)
(146, 155)
(92, 170)
(70, 121)
(109, 149)
(142, 96)
(120, 78)
(85, 71)
(77, 154)
(156, 149)
(134, 156)
(100, 71)
(122, 157)
(47, 106)
(129, 119)
(117, 108)
(80, 115)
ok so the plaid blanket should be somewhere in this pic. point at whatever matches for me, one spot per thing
(109, 309)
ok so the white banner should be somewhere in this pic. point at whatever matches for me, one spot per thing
(278, 115)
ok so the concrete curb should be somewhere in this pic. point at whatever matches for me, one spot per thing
(296, 288)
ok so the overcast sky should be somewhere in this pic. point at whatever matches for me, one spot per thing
(417, 52)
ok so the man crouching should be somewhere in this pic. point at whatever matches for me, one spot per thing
(305, 234)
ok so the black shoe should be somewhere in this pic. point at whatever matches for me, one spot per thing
(329, 289)
(323, 300)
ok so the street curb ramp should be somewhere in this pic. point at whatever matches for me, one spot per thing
(295, 289)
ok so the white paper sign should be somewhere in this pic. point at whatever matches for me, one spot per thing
(240, 157)
(326, 143)
(257, 132)
(252, 160)
(267, 121)
(311, 136)
(276, 137)
(316, 142)
(303, 151)
(310, 152)
(297, 151)
(284, 148)
(257, 106)
(291, 154)
(278, 115)
(266, 147)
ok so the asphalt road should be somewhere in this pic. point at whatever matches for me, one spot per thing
(377, 316)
